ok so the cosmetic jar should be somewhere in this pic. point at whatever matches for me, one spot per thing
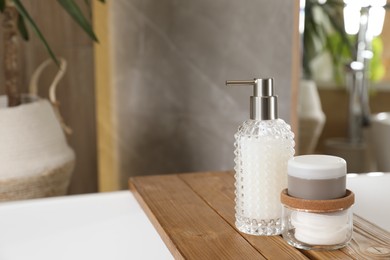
(317, 224)
(317, 177)
(319, 214)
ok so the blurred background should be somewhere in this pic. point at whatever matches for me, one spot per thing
(150, 97)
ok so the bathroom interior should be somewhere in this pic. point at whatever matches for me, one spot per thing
(148, 97)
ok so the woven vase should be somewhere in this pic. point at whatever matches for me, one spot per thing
(35, 159)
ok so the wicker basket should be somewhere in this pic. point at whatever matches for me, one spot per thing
(35, 159)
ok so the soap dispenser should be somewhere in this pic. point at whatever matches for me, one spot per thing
(263, 145)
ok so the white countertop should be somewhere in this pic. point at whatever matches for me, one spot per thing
(113, 225)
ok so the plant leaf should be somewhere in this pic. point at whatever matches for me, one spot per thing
(22, 28)
(339, 29)
(2, 5)
(23, 12)
(88, 4)
(377, 68)
(74, 11)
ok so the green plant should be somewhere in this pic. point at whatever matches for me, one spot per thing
(324, 32)
(70, 6)
(16, 19)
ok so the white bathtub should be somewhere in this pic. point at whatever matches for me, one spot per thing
(372, 197)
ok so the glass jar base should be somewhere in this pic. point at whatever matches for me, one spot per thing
(291, 240)
(255, 227)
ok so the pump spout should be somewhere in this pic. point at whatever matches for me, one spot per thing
(263, 103)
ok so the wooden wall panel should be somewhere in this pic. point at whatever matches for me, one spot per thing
(107, 151)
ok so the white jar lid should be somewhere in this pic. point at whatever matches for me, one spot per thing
(317, 167)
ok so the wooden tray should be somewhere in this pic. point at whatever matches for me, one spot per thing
(194, 215)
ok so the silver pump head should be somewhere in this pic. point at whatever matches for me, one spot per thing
(263, 103)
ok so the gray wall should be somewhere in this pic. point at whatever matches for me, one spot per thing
(170, 61)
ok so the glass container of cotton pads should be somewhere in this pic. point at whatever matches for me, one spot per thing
(317, 213)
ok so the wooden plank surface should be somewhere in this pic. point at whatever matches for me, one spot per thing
(273, 247)
(194, 214)
(187, 225)
(218, 192)
(368, 241)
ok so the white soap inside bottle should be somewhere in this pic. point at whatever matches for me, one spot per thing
(263, 145)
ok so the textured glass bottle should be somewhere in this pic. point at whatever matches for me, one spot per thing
(263, 145)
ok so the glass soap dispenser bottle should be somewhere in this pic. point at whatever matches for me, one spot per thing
(263, 146)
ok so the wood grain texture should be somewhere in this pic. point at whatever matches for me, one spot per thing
(368, 241)
(272, 247)
(106, 143)
(190, 228)
(218, 192)
(194, 214)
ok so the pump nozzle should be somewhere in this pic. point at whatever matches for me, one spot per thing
(263, 103)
